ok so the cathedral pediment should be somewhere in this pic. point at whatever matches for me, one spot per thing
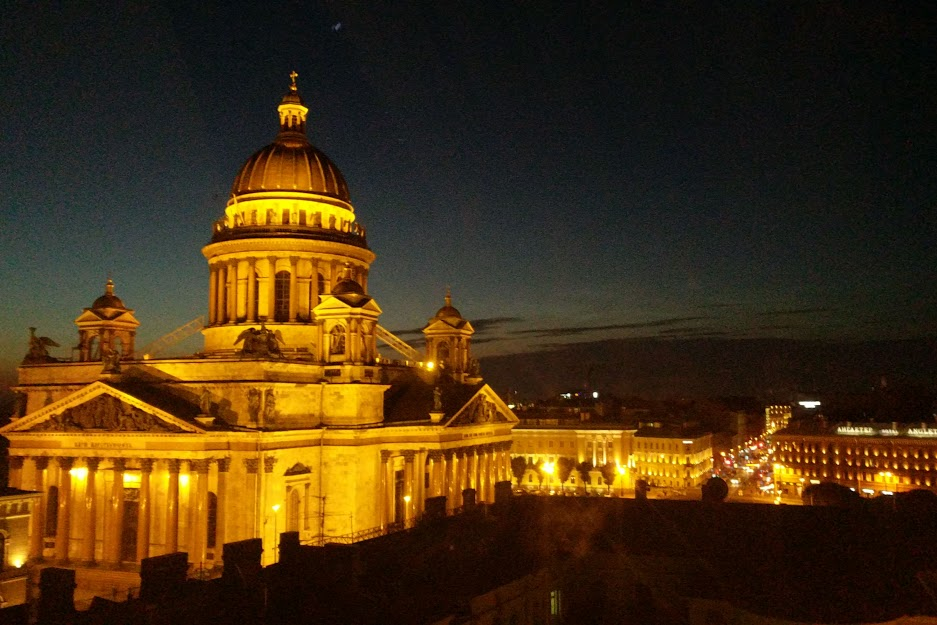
(100, 408)
(485, 408)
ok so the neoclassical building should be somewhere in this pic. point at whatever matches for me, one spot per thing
(288, 419)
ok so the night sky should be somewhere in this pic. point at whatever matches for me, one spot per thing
(574, 171)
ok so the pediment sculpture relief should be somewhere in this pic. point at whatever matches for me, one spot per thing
(481, 410)
(107, 413)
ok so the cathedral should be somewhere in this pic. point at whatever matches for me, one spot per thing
(289, 419)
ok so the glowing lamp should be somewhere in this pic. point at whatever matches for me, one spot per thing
(131, 479)
(275, 507)
(79, 472)
(406, 498)
(430, 365)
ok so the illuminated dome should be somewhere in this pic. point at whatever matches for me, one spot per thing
(108, 300)
(291, 163)
(448, 311)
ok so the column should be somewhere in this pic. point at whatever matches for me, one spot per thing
(232, 299)
(271, 288)
(387, 485)
(16, 471)
(143, 511)
(63, 528)
(252, 465)
(221, 280)
(294, 295)
(221, 513)
(450, 479)
(91, 511)
(604, 450)
(172, 507)
(484, 475)
(408, 456)
(36, 539)
(212, 294)
(435, 475)
(198, 503)
(594, 458)
(113, 538)
(251, 290)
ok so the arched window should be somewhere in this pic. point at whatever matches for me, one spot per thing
(52, 511)
(212, 521)
(442, 354)
(281, 292)
(292, 511)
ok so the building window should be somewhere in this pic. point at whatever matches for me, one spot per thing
(281, 296)
(556, 605)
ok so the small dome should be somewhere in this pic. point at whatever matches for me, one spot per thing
(448, 311)
(108, 300)
(344, 287)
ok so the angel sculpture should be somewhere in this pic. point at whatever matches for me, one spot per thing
(39, 349)
(261, 343)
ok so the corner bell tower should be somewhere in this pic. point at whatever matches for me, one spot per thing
(288, 231)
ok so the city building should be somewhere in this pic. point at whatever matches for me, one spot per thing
(872, 458)
(287, 420)
(777, 416)
(672, 457)
(666, 457)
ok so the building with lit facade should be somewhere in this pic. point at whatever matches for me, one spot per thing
(665, 457)
(287, 420)
(872, 458)
(777, 416)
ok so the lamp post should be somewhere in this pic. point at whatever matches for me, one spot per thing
(548, 468)
(621, 478)
(276, 541)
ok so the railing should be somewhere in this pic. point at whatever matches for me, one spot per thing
(226, 233)
(376, 532)
(397, 344)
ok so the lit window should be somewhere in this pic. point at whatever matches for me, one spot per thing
(281, 307)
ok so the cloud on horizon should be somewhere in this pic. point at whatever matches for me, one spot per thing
(576, 330)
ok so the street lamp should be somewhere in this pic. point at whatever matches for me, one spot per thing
(548, 468)
(276, 542)
(621, 484)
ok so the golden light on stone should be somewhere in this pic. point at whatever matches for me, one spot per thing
(79, 473)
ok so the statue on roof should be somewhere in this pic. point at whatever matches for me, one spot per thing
(261, 343)
(39, 349)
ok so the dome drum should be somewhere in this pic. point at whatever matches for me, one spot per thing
(354, 236)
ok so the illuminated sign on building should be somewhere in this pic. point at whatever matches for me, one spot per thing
(855, 430)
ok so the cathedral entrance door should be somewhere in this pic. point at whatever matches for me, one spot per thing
(128, 539)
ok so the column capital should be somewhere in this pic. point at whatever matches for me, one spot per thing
(269, 462)
(408, 455)
(386, 455)
(92, 462)
(65, 462)
(42, 462)
(146, 464)
(224, 464)
(16, 462)
(448, 453)
(200, 466)
(119, 464)
(251, 464)
(435, 455)
(174, 464)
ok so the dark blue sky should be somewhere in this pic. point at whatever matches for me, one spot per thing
(686, 169)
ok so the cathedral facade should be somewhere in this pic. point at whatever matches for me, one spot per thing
(289, 419)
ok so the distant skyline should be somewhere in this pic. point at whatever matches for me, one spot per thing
(573, 173)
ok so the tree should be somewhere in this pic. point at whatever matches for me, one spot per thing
(609, 471)
(536, 468)
(585, 468)
(519, 468)
(564, 467)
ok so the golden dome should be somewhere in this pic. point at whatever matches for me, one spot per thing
(108, 300)
(291, 163)
(448, 312)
